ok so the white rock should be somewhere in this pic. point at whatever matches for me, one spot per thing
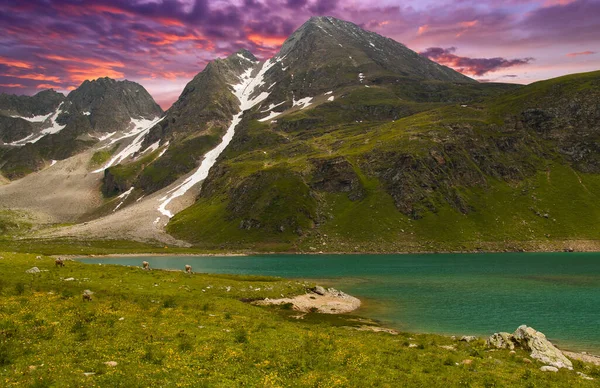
(584, 376)
(541, 349)
(33, 270)
(547, 368)
(501, 340)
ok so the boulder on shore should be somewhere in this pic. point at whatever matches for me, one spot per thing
(501, 340)
(468, 338)
(533, 341)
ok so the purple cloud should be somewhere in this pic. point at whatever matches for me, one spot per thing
(473, 66)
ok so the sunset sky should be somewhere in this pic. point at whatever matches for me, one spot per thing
(162, 44)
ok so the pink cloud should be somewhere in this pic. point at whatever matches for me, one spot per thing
(581, 53)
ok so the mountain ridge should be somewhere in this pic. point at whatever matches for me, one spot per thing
(68, 124)
(348, 141)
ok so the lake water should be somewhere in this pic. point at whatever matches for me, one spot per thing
(556, 293)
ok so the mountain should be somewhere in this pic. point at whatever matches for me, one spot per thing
(343, 141)
(21, 115)
(50, 126)
(323, 55)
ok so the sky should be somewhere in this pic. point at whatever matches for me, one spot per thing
(162, 44)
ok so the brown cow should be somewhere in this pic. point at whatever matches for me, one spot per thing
(87, 296)
(59, 262)
(188, 268)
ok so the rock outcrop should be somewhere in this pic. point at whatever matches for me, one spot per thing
(501, 340)
(534, 341)
(318, 300)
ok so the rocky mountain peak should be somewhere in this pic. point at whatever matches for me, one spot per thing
(245, 54)
(325, 41)
(111, 104)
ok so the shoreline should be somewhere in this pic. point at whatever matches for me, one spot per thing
(583, 355)
(296, 253)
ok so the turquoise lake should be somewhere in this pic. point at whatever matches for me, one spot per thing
(479, 294)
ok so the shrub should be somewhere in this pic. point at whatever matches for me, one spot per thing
(152, 355)
(169, 303)
(241, 336)
(6, 355)
(20, 288)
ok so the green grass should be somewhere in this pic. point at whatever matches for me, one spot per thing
(172, 329)
(58, 246)
(102, 156)
(14, 223)
(275, 206)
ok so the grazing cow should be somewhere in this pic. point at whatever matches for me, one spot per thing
(59, 262)
(188, 268)
(87, 296)
(146, 265)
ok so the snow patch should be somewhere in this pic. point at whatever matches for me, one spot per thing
(152, 147)
(87, 113)
(272, 106)
(243, 90)
(105, 136)
(34, 119)
(163, 151)
(55, 127)
(52, 163)
(361, 77)
(303, 102)
(271, 115)
(123, 197)
(328, 93)
(142, 126)
(21, 142)
(331, 98)
(243, 57)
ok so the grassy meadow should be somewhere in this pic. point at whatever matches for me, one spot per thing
(171, 329)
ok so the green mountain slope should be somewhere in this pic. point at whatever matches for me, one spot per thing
(503, 173)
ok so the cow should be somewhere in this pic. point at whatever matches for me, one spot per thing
(59, 262)
(146, 265)
(87, 296)
(188, 268)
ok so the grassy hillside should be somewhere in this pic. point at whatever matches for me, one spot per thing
(371, 171)
(172, 329)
